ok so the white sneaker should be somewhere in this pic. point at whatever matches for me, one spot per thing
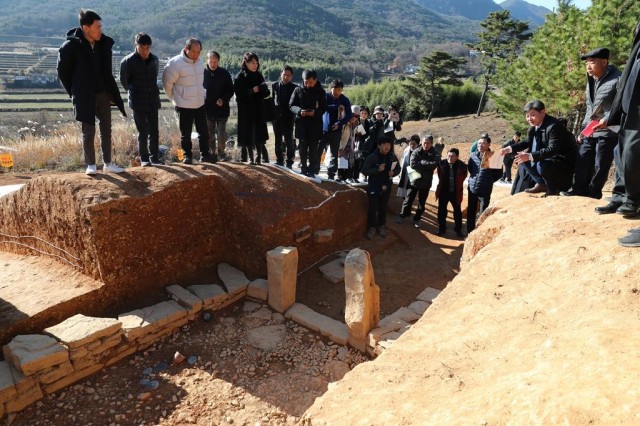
(112, 168)
(91, 170)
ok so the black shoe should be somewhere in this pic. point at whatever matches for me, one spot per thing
(208, 158)
(280, 163)
(537, 188)
(155, 162)
(567, 193)
(441, 232)
(187, 160)
(310, 174)
(612, 207)
(629, 209)
(632, 239)
(460, 234)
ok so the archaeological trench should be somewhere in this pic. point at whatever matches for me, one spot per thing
(139, 234)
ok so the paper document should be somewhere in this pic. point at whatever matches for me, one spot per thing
(393, 165)
(492, 160)
(360, 129)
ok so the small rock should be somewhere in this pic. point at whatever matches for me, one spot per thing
(144, 396)
(178, 358)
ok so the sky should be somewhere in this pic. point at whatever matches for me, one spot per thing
(550, 4)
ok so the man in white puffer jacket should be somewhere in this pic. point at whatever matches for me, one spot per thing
(182, 80)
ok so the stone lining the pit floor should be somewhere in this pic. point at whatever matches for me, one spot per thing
(41, 364)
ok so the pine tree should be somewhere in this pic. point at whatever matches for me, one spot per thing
(499, 42)
(425, 88)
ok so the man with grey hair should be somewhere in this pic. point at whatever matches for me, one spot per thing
(183, 84)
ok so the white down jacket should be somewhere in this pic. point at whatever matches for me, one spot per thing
(182, 81)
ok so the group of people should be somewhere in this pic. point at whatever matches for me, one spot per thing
(549, 160)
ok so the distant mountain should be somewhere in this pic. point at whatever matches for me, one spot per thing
(527, 12)
(471, 9)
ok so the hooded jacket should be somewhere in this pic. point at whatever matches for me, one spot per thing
(76, 71)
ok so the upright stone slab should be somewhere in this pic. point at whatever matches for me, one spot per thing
(282, 267)
(233, 279)
(362, 311)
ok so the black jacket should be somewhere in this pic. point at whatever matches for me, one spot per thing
(76, 71)
(140, 79)
(250, 107)
(281, 97)
(218, 85)
(313, 98)
(622, 102)
(553, 141)
(380, 181)
(424, 162)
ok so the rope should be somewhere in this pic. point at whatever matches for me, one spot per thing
(41, 252)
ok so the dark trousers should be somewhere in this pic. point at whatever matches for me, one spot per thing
(556, 176)
(508, 165)
(472, 208)
(592, 165)
(422, 194)
(627, 158)
(283, 132)
(377, 214)
(148, 135)
(331, 141)
(443, 201)
(357, 166)
(187, 117)
(217, 128)
(103, 114)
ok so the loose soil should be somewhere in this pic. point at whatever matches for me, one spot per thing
(234, 383)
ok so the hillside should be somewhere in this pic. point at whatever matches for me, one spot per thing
(340, 34)
(527, 12)
(471, 9)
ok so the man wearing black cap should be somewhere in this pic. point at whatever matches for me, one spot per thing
(596, 149)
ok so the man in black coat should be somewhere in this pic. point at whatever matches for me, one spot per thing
(424, 161)
(219, 86)
(625, 112)
(84, 68)
(548, 154)
(283, 124)
(139, 77)
(308, 103)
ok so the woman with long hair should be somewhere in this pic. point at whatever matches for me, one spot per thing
(250, 89)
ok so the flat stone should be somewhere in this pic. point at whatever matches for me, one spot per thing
(263, 314)
(23, 383)
(326, 326)
(386, 325)
(7, 386)
(212, 295)
(258, 289)
(334, 270)
(185, 298)
(250, 306)
(323, 236)
(406, 315)
(419, 306)
(56, 373)
(24, 400)
(80, 330)
(428, 294)
(302, 234)
(234, 280)
(35, 352)
(391, 336)
(72, 378)
(143, 321)
(336, 369)
(267, 338)
(277, 318)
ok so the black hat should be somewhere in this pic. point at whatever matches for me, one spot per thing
(600, 52)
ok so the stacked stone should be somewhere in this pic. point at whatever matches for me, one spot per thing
(390, 328)
(92, 343)
(30, 362)
(144, 326)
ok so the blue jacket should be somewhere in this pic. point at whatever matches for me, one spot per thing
(481, 180)
(330, 117)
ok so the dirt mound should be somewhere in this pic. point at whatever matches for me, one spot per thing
(536, 328)
(151, 227)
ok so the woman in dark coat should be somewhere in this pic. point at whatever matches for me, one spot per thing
(250, 89)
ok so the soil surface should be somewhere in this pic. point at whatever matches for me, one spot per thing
(233, 382)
